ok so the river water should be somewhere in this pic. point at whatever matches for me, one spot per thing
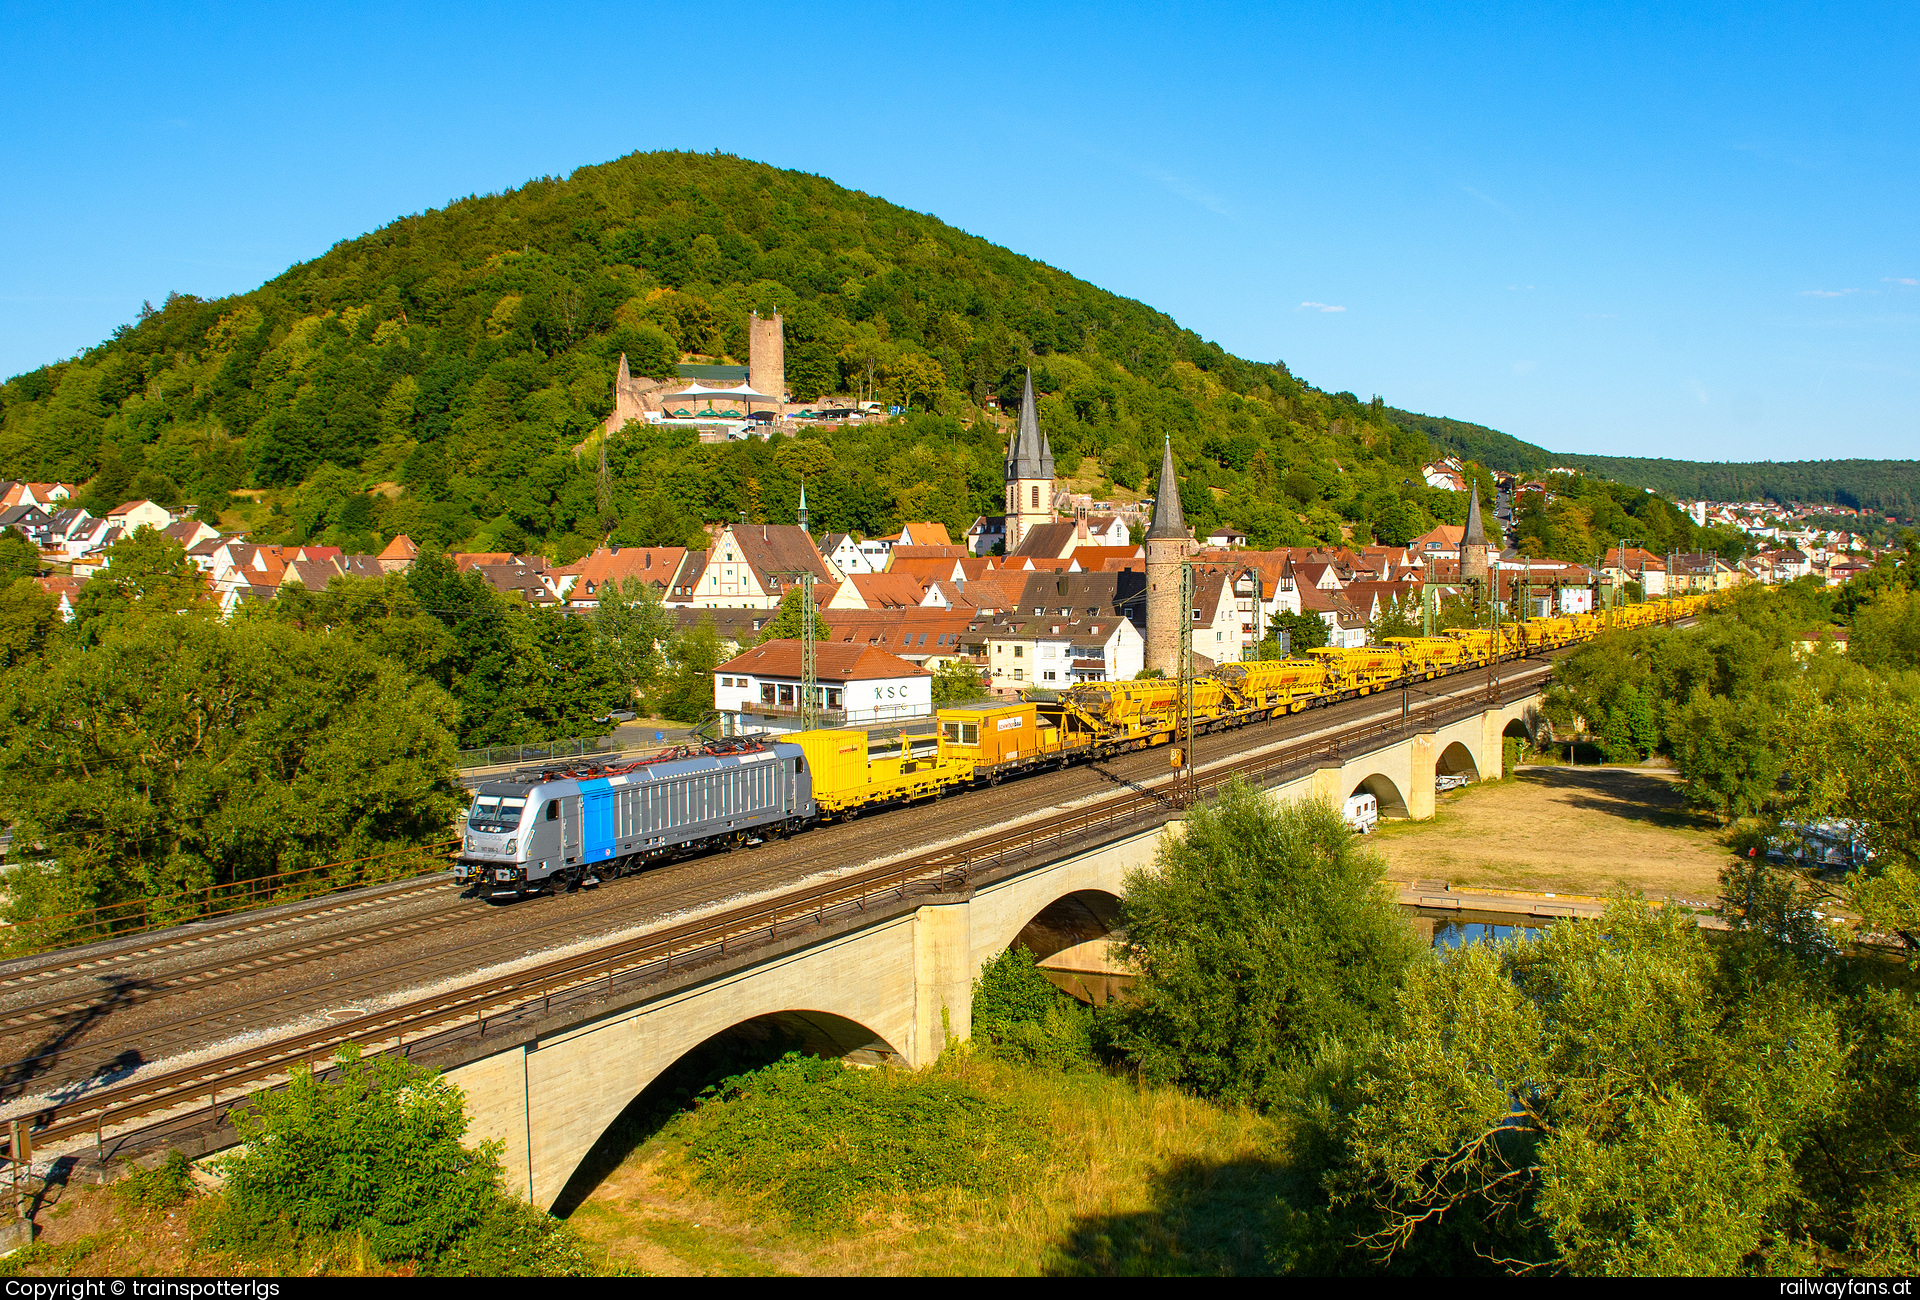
(1458, 929)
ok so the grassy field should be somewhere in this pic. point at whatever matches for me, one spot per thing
(1140, 1181)
(1576, 830)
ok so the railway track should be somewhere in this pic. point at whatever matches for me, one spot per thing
(65, 1060)
(110, 955)
(469, 1007)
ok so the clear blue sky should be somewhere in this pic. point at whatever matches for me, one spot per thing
(1640, 231)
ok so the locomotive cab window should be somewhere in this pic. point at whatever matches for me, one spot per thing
(553, 810)
(496, 813)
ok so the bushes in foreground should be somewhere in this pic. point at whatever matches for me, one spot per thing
(375, 1156)
(817, 1141)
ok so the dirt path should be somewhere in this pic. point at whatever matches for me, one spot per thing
(1584, 830)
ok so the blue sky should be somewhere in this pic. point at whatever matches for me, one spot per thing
(1646, 231)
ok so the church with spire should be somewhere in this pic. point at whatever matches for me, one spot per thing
(1029, 474)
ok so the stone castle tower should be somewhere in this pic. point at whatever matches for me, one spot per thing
(767, 357)
(632, 398)
(1168, 545)
(1473, 546)
(1029, 473)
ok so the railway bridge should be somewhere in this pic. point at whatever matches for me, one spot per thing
(887, 974)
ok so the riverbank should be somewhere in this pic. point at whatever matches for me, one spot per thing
(1564, 831)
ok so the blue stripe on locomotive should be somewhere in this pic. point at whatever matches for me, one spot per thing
(599, 799)
(596, 820)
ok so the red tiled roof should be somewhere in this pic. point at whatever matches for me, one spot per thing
(656, 564)
(834, 661)
(888, 590)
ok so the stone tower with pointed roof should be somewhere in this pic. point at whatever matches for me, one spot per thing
(1029, 473)
(1168, 544)
(1473, 545)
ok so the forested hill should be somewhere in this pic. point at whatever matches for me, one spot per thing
(446, 375)
(1490, 447)
(1892, 486)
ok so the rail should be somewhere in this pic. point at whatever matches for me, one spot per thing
(648, 957)
(117, 920)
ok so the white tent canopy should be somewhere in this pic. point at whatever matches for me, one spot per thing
(740, 394)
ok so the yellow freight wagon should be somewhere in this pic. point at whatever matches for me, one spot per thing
(1547, 633)
(990, 739)
(1146, 712)
(1428, 656)
(1278, 685)
(1361, 670)
(847, 776)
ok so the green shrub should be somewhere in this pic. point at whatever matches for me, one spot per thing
(1264, 932)
(376, 1155)
(822, 1141)
(1020, 1015)
(159, 1188)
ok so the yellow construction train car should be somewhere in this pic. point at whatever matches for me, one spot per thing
(1270, 686)
(985, 742)
(1360, 670)
(848, 775)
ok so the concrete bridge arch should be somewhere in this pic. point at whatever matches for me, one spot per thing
(1455, 759)
(893, 984)
(1387, 794)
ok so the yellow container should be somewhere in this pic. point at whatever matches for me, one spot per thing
(838, 761)
(990, 734)
(847, 776)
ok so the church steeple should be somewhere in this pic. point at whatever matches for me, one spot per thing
(1168, 519)
(1029, 456)
(1474, 563)
(803, 504)
(1167, 549)
(1475, 533)
(1029, 473)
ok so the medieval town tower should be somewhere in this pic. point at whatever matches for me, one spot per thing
(1168, 546)
(1473, 547)
(1029, 473)
(767, 357)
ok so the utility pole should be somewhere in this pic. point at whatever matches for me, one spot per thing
(809, 669)
(603, 486)
(1187, 588)
(1429, 600)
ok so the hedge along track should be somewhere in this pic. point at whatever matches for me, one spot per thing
(173, 1036)
(463, 1012)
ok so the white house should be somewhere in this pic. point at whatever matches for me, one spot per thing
(987, 532)
(1057, 653)
(750, 566)
(855, 685)
(844, 554)
(135, 515)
